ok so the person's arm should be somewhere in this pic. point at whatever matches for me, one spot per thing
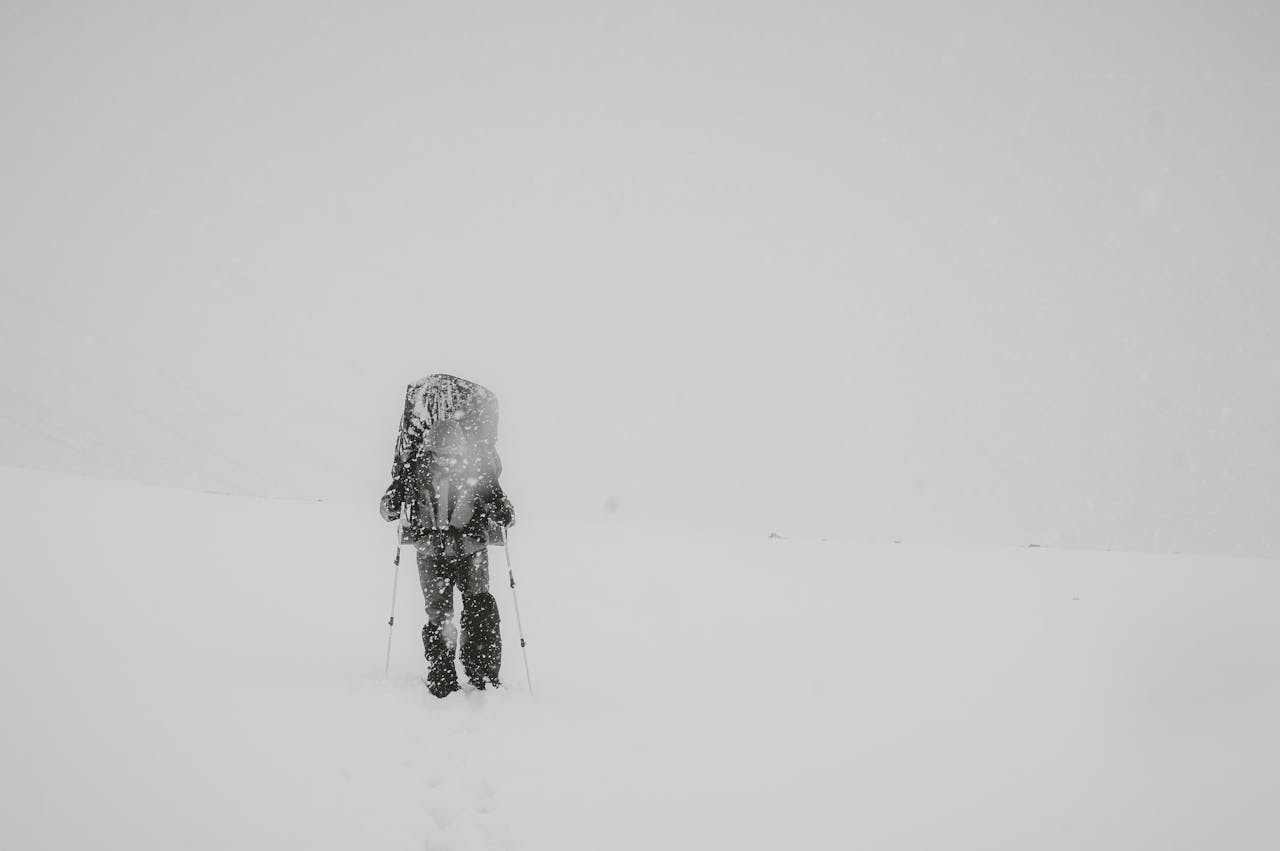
(500, 509)
(393, 497)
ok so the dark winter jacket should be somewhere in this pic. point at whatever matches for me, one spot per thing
(448, 520)
(444, 476)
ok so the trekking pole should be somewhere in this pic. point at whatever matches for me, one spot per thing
(395, 583)
(506, 548)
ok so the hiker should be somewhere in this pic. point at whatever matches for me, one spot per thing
(445, 492)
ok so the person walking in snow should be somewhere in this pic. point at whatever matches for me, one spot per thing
(445, 492)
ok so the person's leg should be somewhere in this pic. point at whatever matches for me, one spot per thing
(481, 638)
(439, 638)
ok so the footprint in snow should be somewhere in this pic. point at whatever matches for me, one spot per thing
(466, 811)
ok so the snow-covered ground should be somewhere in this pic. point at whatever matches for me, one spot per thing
(194, 671)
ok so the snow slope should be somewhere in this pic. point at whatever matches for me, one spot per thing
(195, 671)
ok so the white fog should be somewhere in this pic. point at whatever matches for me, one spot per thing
(938, 338)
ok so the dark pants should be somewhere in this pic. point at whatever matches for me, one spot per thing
(439, 576)
(480, 642)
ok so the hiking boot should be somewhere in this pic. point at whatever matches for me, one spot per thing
(481, 643)
(442, 674)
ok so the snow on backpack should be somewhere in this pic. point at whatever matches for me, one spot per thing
(446, 455)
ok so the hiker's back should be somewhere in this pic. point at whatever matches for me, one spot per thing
(446, 468)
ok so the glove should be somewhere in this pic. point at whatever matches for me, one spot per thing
(389, 507)
(502, 511)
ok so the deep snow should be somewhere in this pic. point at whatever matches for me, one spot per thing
(204, 672)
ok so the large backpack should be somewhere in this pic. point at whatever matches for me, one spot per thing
(446, 458)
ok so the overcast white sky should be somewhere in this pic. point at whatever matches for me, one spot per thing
(967, 272)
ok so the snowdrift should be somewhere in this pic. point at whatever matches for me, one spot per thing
(202, 672)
